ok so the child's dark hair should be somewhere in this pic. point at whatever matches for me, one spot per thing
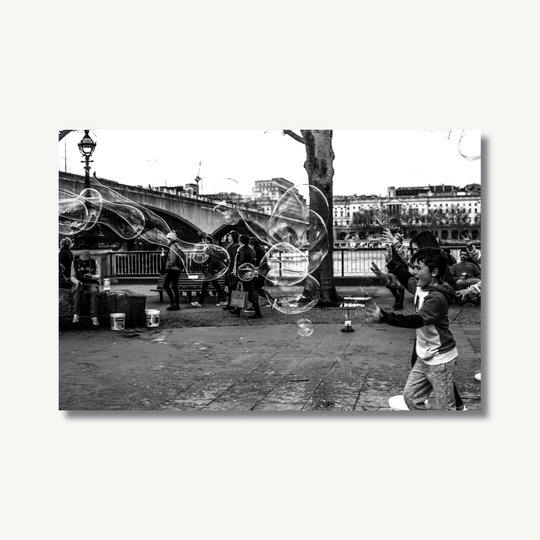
(244, 239)
(432, 258)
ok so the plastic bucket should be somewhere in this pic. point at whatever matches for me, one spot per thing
(152, 318)
(118, 321)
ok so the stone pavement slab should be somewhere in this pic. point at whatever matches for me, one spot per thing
(248, 368)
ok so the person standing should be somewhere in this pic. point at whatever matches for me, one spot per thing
(262, 269)
(65, 259)
(244, 255)
(85, 276)
(173, 267)
(231, 281)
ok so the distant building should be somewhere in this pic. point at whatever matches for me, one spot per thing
(449, 210)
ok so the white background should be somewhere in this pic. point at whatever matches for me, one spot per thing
(340, 65)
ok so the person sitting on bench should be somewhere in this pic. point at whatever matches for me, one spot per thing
(85, 275)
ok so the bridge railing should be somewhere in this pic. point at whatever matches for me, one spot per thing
(346, 262)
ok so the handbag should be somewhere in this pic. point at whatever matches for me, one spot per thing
(239, 297)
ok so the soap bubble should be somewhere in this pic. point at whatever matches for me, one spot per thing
(246, 272)
(228, 214)
(293, 299)
(305, 327)
(72, 215)
(352, 241)
(292, 222)
(287, 265)
(78, 213)
(200, 253)
(469, 145)
(202, 265)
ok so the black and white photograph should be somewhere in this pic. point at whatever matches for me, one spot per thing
(277, 270)
(271, 224)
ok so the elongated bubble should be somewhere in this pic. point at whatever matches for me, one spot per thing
(79, 212)
(146, 224)
(72, 216)
(294, 299)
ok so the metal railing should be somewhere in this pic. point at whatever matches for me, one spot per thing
(346, 262)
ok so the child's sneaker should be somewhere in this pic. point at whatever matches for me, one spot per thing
(196, 304)
(397, 403)
(95, 321)
(75, 318)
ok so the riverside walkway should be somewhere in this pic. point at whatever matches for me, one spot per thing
(206, 359)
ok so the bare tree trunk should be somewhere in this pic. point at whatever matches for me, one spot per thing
(319, 166)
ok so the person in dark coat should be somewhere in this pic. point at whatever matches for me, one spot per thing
(65, 258)
(263, 269)
(173, 267)
(231, 281)
(246, 254)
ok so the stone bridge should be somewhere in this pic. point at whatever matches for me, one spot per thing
(186, 213)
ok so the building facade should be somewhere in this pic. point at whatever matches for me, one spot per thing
(448, 211)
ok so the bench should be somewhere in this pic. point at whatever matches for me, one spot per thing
(120, 301)
(186, 286)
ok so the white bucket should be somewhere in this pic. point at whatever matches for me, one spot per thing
(152, 318)
(118, 321)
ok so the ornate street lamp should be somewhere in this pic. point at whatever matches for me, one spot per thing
(87, 238)
(86, 148)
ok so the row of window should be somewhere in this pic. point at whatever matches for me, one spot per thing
(407, 206)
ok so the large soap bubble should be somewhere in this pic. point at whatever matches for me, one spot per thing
(79, 212)
(203, 262)
(293, 299)
(286, 264)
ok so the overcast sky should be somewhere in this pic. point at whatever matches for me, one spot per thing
(366, 162)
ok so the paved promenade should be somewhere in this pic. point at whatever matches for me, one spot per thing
(206, 359)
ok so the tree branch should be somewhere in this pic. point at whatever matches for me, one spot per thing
(294, 136)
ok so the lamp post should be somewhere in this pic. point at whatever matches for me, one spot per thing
(86, 148)
(87, 238)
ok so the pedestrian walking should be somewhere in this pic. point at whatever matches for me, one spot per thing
(173, 267)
